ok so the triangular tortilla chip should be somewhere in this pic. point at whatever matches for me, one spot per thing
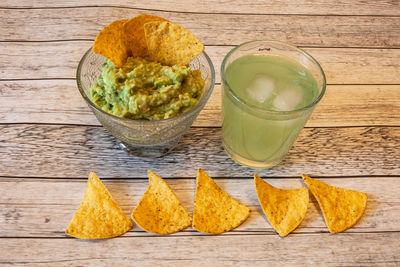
(160, 211)
(215, 211)
(111, 43)
(135, 34)
(285, 209)
(99, 216)
(171, 44)
(342, 208)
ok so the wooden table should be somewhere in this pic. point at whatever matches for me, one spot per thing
(50, 140)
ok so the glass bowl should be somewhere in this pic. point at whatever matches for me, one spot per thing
(140, 137)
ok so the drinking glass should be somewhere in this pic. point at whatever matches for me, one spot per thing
(260, 137)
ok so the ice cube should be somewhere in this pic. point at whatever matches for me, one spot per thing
(261, 88)
(288, 98)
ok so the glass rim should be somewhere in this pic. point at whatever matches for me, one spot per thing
(187, 113)
(267, 111)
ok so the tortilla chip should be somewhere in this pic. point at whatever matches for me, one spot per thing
(215, 211)
(171, 44)
(134, 31)
(99, 216)
(342, 208)
(285, 209)
(160, 211)
(111, 43)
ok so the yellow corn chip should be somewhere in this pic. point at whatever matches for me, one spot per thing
(342, 208)
(215, 211)
(99, 216)
(171, 44)
(285, 209)
(134, 32)
(160, 211)
(111, 43)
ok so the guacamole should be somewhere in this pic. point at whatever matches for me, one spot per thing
(146, 90)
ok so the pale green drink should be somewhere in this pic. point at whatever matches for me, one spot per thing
(267, 98)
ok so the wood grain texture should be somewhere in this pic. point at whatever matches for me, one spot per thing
(58, 101)
(368, 249)
(70, 151)
(44, 163)
(43, 208)
(326, 7)
(221, 29)
(52, 60)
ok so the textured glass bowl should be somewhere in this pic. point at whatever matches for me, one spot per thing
(139, 137)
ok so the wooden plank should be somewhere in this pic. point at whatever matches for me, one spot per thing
(49, 205)
(325, 7)
(369, 249)
(50, 60)
(58, 101)
(85, 23)
(70, 151)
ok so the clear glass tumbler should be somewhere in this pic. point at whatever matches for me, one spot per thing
(139, 137)
(260, 137)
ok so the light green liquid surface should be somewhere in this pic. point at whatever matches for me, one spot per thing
(269, 83)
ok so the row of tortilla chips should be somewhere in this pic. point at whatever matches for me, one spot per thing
(159, 211)
(147, 35)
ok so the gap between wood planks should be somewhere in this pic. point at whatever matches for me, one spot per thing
(138, 179)
(198, 234)
(194, 127)
(217, 83)
(202, 12)
(206, 45)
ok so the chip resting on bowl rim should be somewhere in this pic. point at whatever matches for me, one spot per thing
(134, 31)
(171, 44)
(111, 43)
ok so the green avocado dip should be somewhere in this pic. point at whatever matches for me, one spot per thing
(146, 90)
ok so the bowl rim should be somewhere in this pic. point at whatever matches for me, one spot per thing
(187, 113)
